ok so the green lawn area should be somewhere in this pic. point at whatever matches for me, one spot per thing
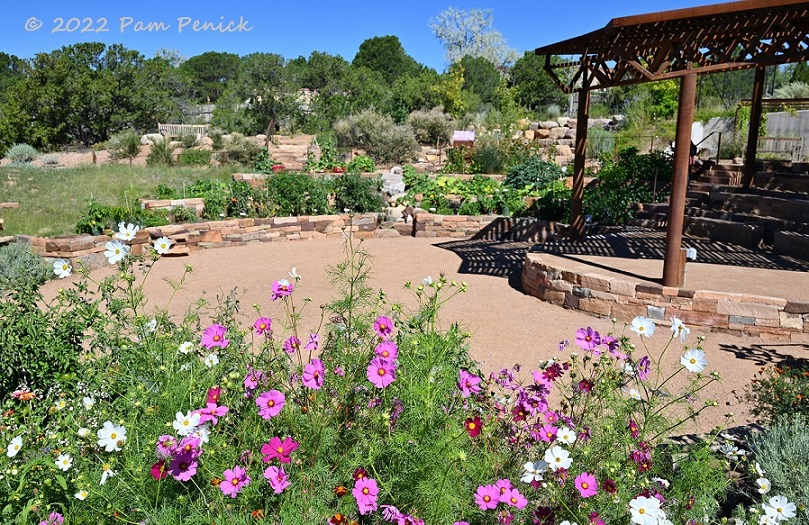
(53, 200)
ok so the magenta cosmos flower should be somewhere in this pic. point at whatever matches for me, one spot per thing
(586, 484)
(214, 394)
(159, 470)
(313, 343)
(282, 288)
(383, 326)
(365, 492)
(381, 372)
(279, 480)
(588, 339)
(213, 336)
(487, 497)
(468, 383)
(473, 426)
(513, 498)
(53, 519)
(183, 466)
(277, 449)
(235, 480)
(211, 413)
(270, 403)
(292, 344)
(313, 374)
(387, 349)
(166, 445)
(263, 326)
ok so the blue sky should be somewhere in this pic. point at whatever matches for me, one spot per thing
(294, 28)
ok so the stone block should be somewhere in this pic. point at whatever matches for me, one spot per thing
(620, 287)
(580, 291)
(790, 320)
(604, 296)
(210, 236)
(763, 299)
(542, 134)
(656, 312)
(738, 319)
(703, 318)
(571, 301)
(627, 312)
(762, 311)
(704, 305)
(558, 133)
(557, 298)
(671, 291)
(595, 306)
(797, 307)
(425, 234)
(708, 294)
(650, 288)
(595, 282)
(561, 285)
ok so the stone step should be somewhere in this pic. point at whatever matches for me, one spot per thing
(711, 178)
(718, 230)
(790, 209)
(793, 244)
(783, 182)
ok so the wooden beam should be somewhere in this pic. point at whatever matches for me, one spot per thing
(752, 133)
(577, 195)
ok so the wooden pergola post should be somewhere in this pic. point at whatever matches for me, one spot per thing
(577, 195)
(674, 262)
(752, 134)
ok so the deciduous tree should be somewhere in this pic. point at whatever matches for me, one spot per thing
(472, 33)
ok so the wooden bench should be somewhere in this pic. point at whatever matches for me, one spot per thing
(179, 130)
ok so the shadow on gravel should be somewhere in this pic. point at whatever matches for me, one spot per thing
(770, 354)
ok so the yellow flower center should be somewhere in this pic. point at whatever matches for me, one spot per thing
(584, 485)
(270, 403)
(113, 436)
(365, 490)
(471, 426)
(381, 371)
(641, 511)
(487, 498)
(280, 450)
(693, 361)
(235, 481)
(216, 338)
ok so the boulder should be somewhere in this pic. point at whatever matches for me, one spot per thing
(529, 134)
(533, 125)
(563, 121)
(392, 183)
(548, 124)
(558, 133)
(564, 151)
(542, 134)
(570, 133)
(150, 138)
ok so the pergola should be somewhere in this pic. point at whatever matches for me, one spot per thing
(682, 44)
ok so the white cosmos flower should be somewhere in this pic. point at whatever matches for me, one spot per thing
(568, 523)
(116, 251)
(126, 232)
(106, 472)
(428, 281)
(64, 462)
(88, 403)
(759, 470)
(566, 435)
(111, 436)
(62, 268)
(557, 458)
(186, 347)
(533, 471)
(694, 360)
(203, 432)
(14, 447)
(643, 326)
(60, 405)
(645, 511)
(84, 432)
(82, 495)
(294, 274)
(211, 360)
(779, 508)
(634, 394)
(679, 329)
(763, 485)
(151, 326)
(185, 424)
(162, 245)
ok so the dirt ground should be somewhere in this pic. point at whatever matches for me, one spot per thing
(507, 326)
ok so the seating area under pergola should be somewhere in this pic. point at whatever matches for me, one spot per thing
(679, 44)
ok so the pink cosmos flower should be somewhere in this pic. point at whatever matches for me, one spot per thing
(313, 374)
(548, 433)
(270, 403)
(252, 378)
(213, 336)
(503, 485)
(211, 412)
(159, 470)
(166, 445)
(513, 498)
(391, 513)
(365, 492)
(468, 383)
(313, 343)
(282, 288)
(588, 339)
(53, 519)
(586, 484)
(381, 372)
(461, 523)
(263, 326)
(235, 480)
(190, 445)
(277, 449)
(279, 480)
(643, 367)
(383, 326)
(487, 497)
(634, 430)
(387, 349)
(214, 394)
(292, 344)
(183, 467)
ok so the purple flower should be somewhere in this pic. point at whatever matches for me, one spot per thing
(588, 339)
(270, 403)
(281, 289)
(383, 326)
(292, 344)
(213, 336)
(313, 343)
(53, 519)
(278, 478)
(586, 484)
(280, 450)
(387, 349)
(487, 497)
(313, 374)
(211, 412)
(235, 480)
(213, 394)
(563, 344)
(263, 325)
(183, 466)
(643, 367)
(166, 445)
(252, 378)
(468, 383)
(365, 492)
(381, 372)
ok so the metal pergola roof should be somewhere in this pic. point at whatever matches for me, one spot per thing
(670, 44)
